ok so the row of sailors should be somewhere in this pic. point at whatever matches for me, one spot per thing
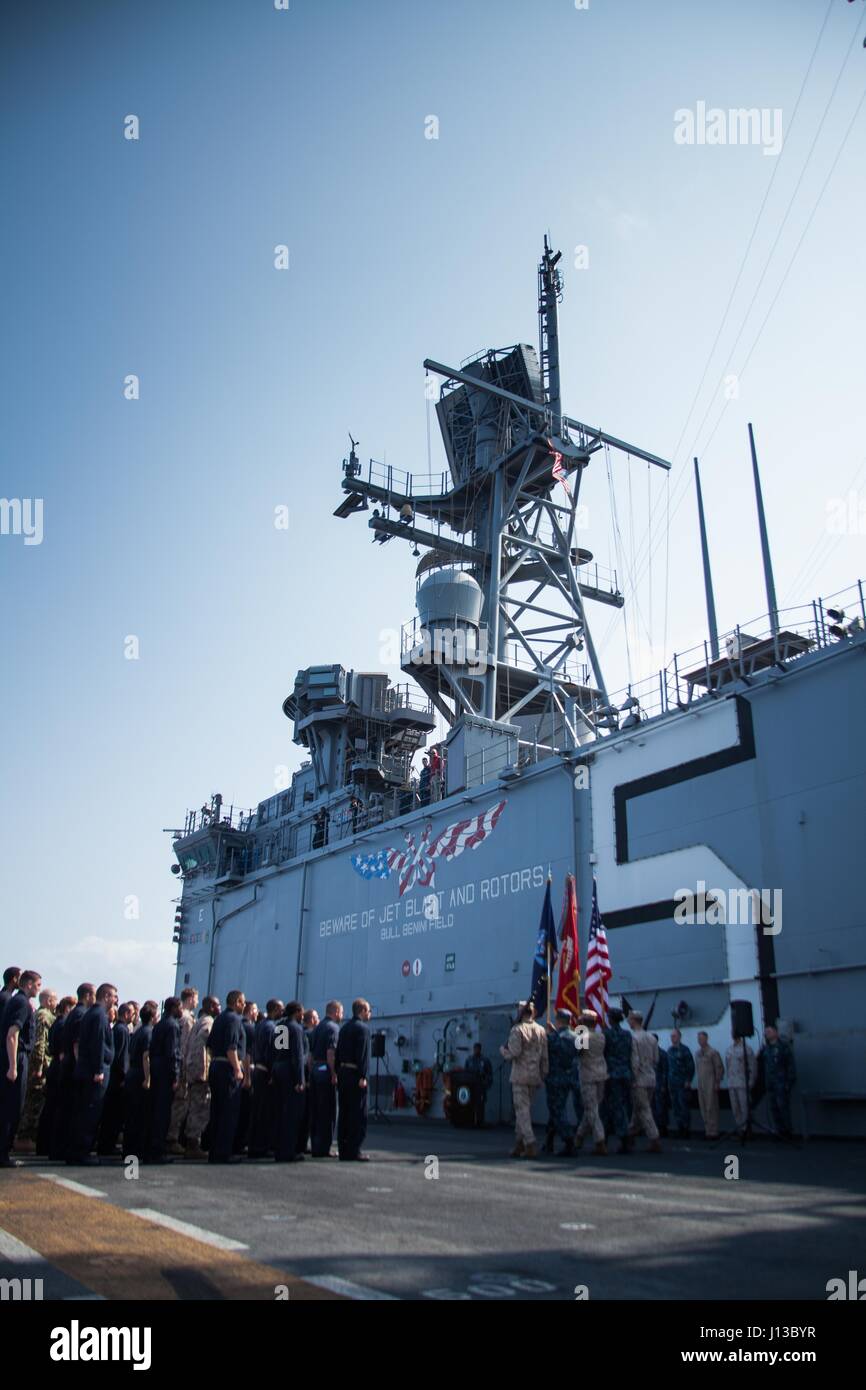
(223, 1081)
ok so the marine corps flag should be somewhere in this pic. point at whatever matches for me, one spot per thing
(568, 993)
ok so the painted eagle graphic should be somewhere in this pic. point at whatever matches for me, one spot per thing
(416, 864)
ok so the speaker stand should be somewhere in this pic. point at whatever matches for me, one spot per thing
(377, 1113)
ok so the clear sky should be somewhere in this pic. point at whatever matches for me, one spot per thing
(155, 256)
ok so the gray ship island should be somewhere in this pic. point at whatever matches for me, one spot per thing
(719, 805)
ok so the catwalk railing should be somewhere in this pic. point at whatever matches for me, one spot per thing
(744, 650)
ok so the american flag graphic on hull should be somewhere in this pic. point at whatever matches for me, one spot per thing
(415, 866)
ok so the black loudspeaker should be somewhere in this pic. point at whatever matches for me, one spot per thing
(377, 1045)
(742, 1023)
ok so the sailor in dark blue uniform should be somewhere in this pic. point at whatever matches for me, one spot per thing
(17, 1036)
(229, 1068)
(261, 1141)
(353, 1064)
(112, 1110)
(11, 982)
(164, 1074)
(63, 1126)
(323, 1080)
(289, 1082)
(92, 1068)
(242, 1133)
(136, 1119)
(48, 1117)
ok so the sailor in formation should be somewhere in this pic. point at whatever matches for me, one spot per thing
(116, 1079)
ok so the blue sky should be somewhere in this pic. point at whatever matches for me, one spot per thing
(156, 257)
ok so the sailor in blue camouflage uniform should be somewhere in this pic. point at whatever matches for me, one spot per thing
(617, 1101)
(661, 1100)
(562, 1081)
(780, 1073)
(681, 1071)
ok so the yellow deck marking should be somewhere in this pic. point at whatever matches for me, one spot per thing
(121, 1256)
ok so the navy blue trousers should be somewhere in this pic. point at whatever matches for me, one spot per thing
(290, 1107)
(12, 1095)
(225, 1106)
(323, 1112)
(89, 1100)
(352, 1119)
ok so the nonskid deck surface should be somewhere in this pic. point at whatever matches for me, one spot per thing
(667, 1226)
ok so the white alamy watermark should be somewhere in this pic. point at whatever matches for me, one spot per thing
(22, 516)
(755, 907)
(846, 516)
(854, 1288)
(737, 126)
(77, 1343)
(21, 1290)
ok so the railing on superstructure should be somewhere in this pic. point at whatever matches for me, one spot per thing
(398, 482)
(743, 651)
(229, 818)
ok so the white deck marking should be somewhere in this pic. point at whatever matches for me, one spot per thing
(15, 1251)
(11, 1248)
(71, 1185)
(335, 1284)
(185, 1228)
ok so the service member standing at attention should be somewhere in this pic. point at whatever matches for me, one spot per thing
(780, 1073)
(17, 1035)
(262, 1121)
(242, 1133)
(228, 1050)
(353, 1064)
(39, 1060)
(48, 1118)
(92, 1070)
(290, 1083)
(526, 1050)
(559, 1083)
(115, 1098)
(617, 1102)
(164, 1073)
(710, 1072)
(323, 1079)
(742, 1068)
(681, 1069)
(68, 1040)
(590, 1045)
(180, 1102)
(197, 1065)
(644, 1060)
(136, 1121)
(310, 1024)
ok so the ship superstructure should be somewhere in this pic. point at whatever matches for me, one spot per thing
(708, 782)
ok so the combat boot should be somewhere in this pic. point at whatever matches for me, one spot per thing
(517, 1151)
(194, 1150)
(567, 1150)
(548, 1142)
(600, 1148)
(654, 1147)
(531, 1151)
(626, 1145)
(176, 1148)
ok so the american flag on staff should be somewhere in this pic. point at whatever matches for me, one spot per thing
(598, 970)
(558, 469)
